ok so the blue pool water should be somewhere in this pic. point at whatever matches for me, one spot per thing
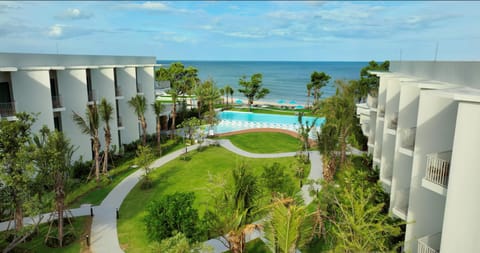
(235, 121)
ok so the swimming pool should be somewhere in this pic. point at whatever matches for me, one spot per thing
(235, 121)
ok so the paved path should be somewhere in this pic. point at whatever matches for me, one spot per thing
(104, 236)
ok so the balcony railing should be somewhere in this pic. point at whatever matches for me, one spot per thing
(438, 168)
(118, 91)
(429, 243)
(119, 121)
(408, 138)
(401, 200)
(372, 102)
(381, 111)
(7, 109)
(92, 95)
(57, 102)
(393, 121)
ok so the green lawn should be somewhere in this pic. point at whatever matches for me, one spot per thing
(181, 176)
(81, 226)
(265, 142)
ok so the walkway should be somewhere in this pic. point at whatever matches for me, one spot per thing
(104, 236)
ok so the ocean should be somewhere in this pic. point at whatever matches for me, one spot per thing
(286, 80)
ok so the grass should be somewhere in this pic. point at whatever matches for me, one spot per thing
(265, 142)
(91, 194)
(181, 176)
(81, 226)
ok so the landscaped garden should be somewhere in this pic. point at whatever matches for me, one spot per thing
(265, 143)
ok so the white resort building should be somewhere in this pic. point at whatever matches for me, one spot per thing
(424, 134)
(55, 86)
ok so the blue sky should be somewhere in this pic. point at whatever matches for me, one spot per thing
(257, 30)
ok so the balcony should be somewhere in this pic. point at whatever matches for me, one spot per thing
(372, 102)
(429, 243)
(437, 171)
(407, 140)
(400, 205)
(7, 109)
(92, 95)
(118, 92)
(381, 111)
(393, 120)
(57, 102)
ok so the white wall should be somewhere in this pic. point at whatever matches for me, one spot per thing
(72, 85)
(31, 92)
(435, 130)
(126, 80)
(146, 81)
(460, 228)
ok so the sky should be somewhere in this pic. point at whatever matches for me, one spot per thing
(246, 30)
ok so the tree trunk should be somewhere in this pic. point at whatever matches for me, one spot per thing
(227, 100)
(159, 136)
(108, 140)
(60, 207)
(143, 122)
(174, 115)
(18, 216)
(96, 150)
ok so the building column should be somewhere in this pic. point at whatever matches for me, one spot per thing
(126, 80)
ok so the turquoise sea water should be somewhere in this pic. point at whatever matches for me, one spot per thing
(286, 80)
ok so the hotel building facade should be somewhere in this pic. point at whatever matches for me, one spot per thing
(55, 86)
(423, 132)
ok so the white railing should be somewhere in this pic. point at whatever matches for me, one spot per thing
(401, 200)
(429, 243)
(381, 111)
(408, 138)
(393, 120)
(438, 168)
(372, 102)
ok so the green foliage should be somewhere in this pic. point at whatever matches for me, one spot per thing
(276, 181)
(172, 213)
(318, 80)
(252, 89)
(354, 207)
(368, 83)
(139, 105)
(144, 157)
(178, 243)
(287, 228)
(264, 142)
(304, 131)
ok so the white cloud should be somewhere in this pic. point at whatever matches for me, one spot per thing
(75, 13)
(55, 31)
(153, 6)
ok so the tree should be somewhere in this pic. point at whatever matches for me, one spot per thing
(318, 80)
(304, 130)
(189, 126)
(105, 110)
(232, 216)
(276, 181)
(158, 108)
(139, 105)
(182, 81)
(89, 125)
(368, 83)
(54, 157)
(179, 243)
(172, 213)
(228, 91)
(211, 95)
(287, 228)
(143, 160)
(252, 89)
(309, 92)
(222, 93)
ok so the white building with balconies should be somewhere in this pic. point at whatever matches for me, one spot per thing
(423, 133)
(55, 86)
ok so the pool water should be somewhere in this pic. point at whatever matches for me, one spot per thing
(235, 121)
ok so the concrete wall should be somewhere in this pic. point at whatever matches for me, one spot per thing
(460, 227)
(31, 92)
(127, 82)
(435, 131)
(72, 85)
(146, 79)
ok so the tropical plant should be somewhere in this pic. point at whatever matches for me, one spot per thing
(276, 181)
(304, 131)
(309, 93)
(190, 127)
(228, 91)
(54, 157)
(172, 213)
(211, 94)
(287, 227)
(139, 105)
(368, 83)
(143, 160)
(105, 110)
(252, 89)
(179, 243)
(89, 125)
(158, 108)
(318, 80)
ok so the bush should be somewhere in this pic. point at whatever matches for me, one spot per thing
(172, 213)
(81, 168)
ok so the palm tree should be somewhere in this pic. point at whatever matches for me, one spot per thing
(287, 228)
(89, 125)
(105, 109)
(174, 93)
(231, 91)
(222, 93)
(139, 105)
(211, 95)
(228, 91)
(309, 91)
(158, 108)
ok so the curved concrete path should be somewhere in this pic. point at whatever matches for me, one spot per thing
(104, 236)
